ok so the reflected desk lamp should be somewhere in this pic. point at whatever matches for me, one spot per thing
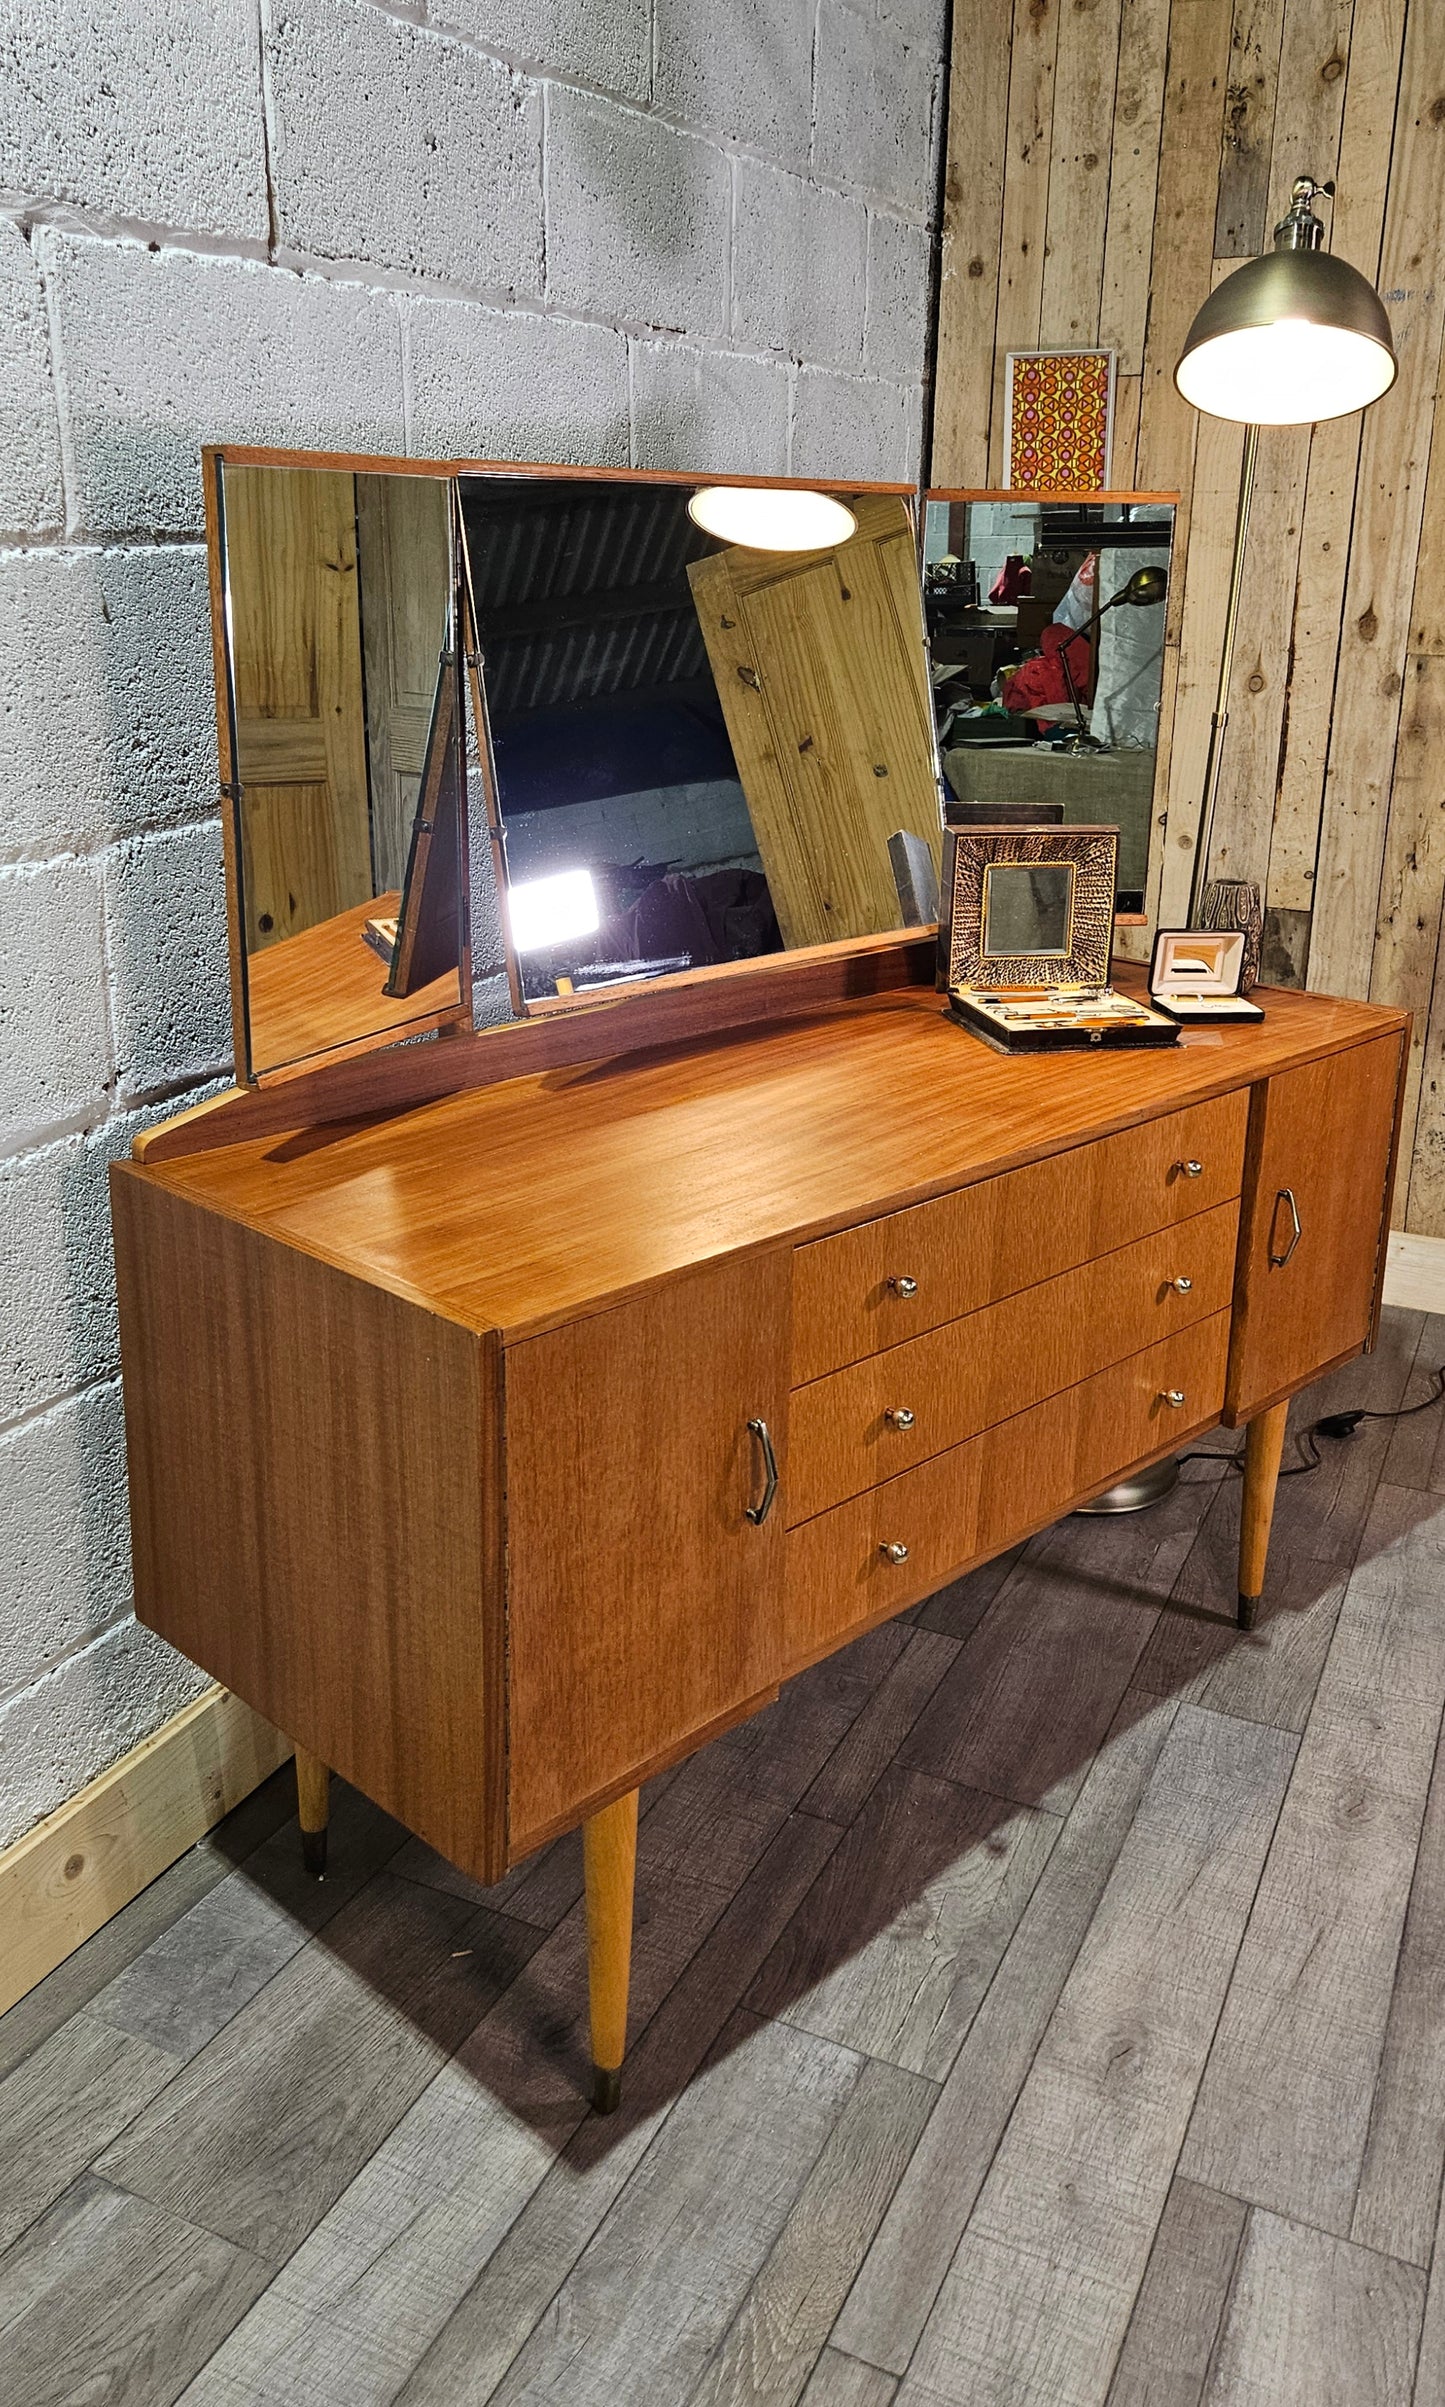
(1146, 589)
(1288, 339)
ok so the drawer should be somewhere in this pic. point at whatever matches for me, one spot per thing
(873, 1286)
(975, 1500)
(881, 1416)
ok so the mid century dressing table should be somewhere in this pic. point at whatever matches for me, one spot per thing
(509, 1414)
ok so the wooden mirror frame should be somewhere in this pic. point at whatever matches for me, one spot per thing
(1015, 493)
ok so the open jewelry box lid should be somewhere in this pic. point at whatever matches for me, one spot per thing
(1193, 961)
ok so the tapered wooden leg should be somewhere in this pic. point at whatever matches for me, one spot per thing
(313, 1805)
(609, 1857)
(1263, 1446)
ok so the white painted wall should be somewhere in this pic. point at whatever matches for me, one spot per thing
(684, 233)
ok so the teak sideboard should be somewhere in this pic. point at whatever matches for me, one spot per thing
(503, 1444)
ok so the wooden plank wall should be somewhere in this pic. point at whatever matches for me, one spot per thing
(1108, 161)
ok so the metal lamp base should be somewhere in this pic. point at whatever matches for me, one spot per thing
(1141, 1489)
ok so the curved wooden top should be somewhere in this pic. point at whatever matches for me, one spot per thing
(521, 1205)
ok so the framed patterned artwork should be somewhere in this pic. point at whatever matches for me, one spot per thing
(1058, 419)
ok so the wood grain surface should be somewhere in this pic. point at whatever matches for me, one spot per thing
(323, 991)
(821, 671)
(1322, 1134)
(315, 1507)
(1040, 2291)
(1312, 2317)
(844, 1432)
(690, 1154)
(1284, 2108)
(977, 1498)
(642, 1604)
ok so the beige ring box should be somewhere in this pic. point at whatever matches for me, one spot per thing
(1195, 973)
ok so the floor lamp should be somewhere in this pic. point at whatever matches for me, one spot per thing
(1288, 339)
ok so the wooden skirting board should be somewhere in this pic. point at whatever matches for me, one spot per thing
(94, 1854)
(1415, 1272)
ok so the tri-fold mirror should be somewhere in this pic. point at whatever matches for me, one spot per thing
(702, 721)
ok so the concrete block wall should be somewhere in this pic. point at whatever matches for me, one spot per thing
(657, 231)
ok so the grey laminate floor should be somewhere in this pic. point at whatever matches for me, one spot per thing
(1043, 2004)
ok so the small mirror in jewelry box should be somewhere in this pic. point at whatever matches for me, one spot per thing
(1026, 942)
(1195, 975)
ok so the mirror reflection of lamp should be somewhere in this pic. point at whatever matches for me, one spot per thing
(772, 519)
(555, 910)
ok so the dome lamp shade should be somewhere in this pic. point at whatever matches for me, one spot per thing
(1289, 338)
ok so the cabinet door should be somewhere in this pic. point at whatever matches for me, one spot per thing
(643, 1606)
(1316, 1207)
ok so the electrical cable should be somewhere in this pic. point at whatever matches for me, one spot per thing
(1337, 1425)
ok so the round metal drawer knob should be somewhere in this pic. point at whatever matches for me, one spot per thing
(895, 1552)
(1172, 1396)
(1182, 1286)
(900, 1416)
(905, 1287)
(1190, 1169)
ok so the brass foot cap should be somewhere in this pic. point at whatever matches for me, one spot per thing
(1248, 1607)
(313, 1853)
(606, 2088)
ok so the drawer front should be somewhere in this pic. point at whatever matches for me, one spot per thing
(1313, 1224)
(871, 1287)
(879, 1417)
(979, 1497)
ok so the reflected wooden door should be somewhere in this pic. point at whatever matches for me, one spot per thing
(821, 670)
(296, 666)
(401, 532)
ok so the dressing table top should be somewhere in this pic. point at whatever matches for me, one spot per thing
(517, 1206)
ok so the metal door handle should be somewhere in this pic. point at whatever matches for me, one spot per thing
(900, 1416)
(1190, 1169)
(1182, 1286)
(894, 1551)
(904, 1286)
(758, 1513)
(1172, 1396)
(1285, 1196)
